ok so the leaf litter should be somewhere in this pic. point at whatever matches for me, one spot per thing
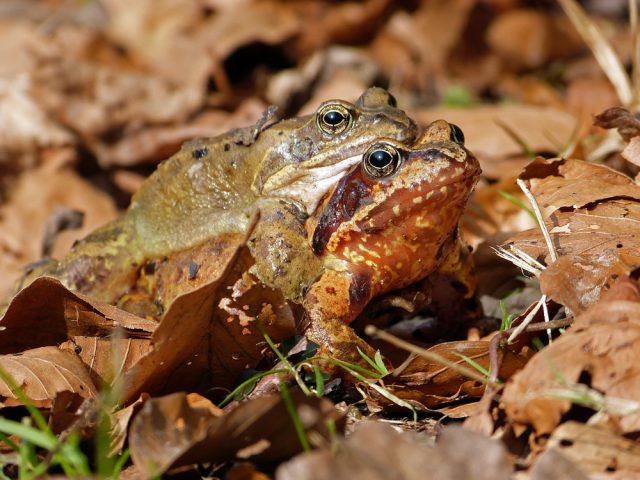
(93, 96)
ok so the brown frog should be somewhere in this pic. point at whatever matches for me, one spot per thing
(219, 187)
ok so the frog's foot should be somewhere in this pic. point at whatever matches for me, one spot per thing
(337, 340)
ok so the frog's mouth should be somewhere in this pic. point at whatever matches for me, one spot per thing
(312, 184)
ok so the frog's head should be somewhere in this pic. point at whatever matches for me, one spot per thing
(393, 217)
(310, 154)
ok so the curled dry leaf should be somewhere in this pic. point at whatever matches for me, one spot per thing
(47, 313)
(200, 344)
(621, 119)
(172, 431)
(376, 451)
(604, 344)
(42, 373)
(593, 217)
(426, 384)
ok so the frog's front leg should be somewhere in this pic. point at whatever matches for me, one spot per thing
(330, 304)
(285, 260)
(283, 257)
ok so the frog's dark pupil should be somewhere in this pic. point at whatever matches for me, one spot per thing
(333, 118)
(380, 159)
(456, 134)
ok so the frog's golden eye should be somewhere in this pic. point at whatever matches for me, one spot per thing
(334, 119)
(456, 134)
(381, 160)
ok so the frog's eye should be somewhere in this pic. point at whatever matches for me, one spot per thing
(381, 160)
(456, 134)
(334, 119)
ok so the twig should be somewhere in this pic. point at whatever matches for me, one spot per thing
(543, 227)
(601, 49)
(527, 320)
(536, 327)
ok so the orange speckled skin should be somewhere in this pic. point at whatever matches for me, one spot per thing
(380, 234)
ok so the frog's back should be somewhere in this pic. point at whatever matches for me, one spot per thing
(202, 190)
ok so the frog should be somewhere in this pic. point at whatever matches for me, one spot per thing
(390, 222)
(218, 188)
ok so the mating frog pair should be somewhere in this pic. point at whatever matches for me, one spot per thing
(332, 210)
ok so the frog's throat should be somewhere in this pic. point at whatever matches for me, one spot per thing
(310, 185)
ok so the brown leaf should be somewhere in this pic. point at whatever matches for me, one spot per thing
(170, 431)
(631, 152)
(66, 314)
(120, 421)
(108, 356)
(597, 450)
(375, 451)
(558, 183)
(193, 343)
(427, 384)
(42, 373)
(594, 214)
(527, 38)
(604, 342)
(622, 119)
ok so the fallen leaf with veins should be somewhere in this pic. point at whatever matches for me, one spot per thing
(604, 344)
(42, 373)
(593, 217)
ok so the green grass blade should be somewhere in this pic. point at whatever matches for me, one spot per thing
(246, 383)
(474, 364)
(519, 204)
(319, 381)
(297, 424)
(28, 433)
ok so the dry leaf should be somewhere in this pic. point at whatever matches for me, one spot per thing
(42, 373)
(593, 214)
(376, 451)
(604, 343)
(599, 452)
(65, 314)
(427, 384)
(171, 431)
(621, 119)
